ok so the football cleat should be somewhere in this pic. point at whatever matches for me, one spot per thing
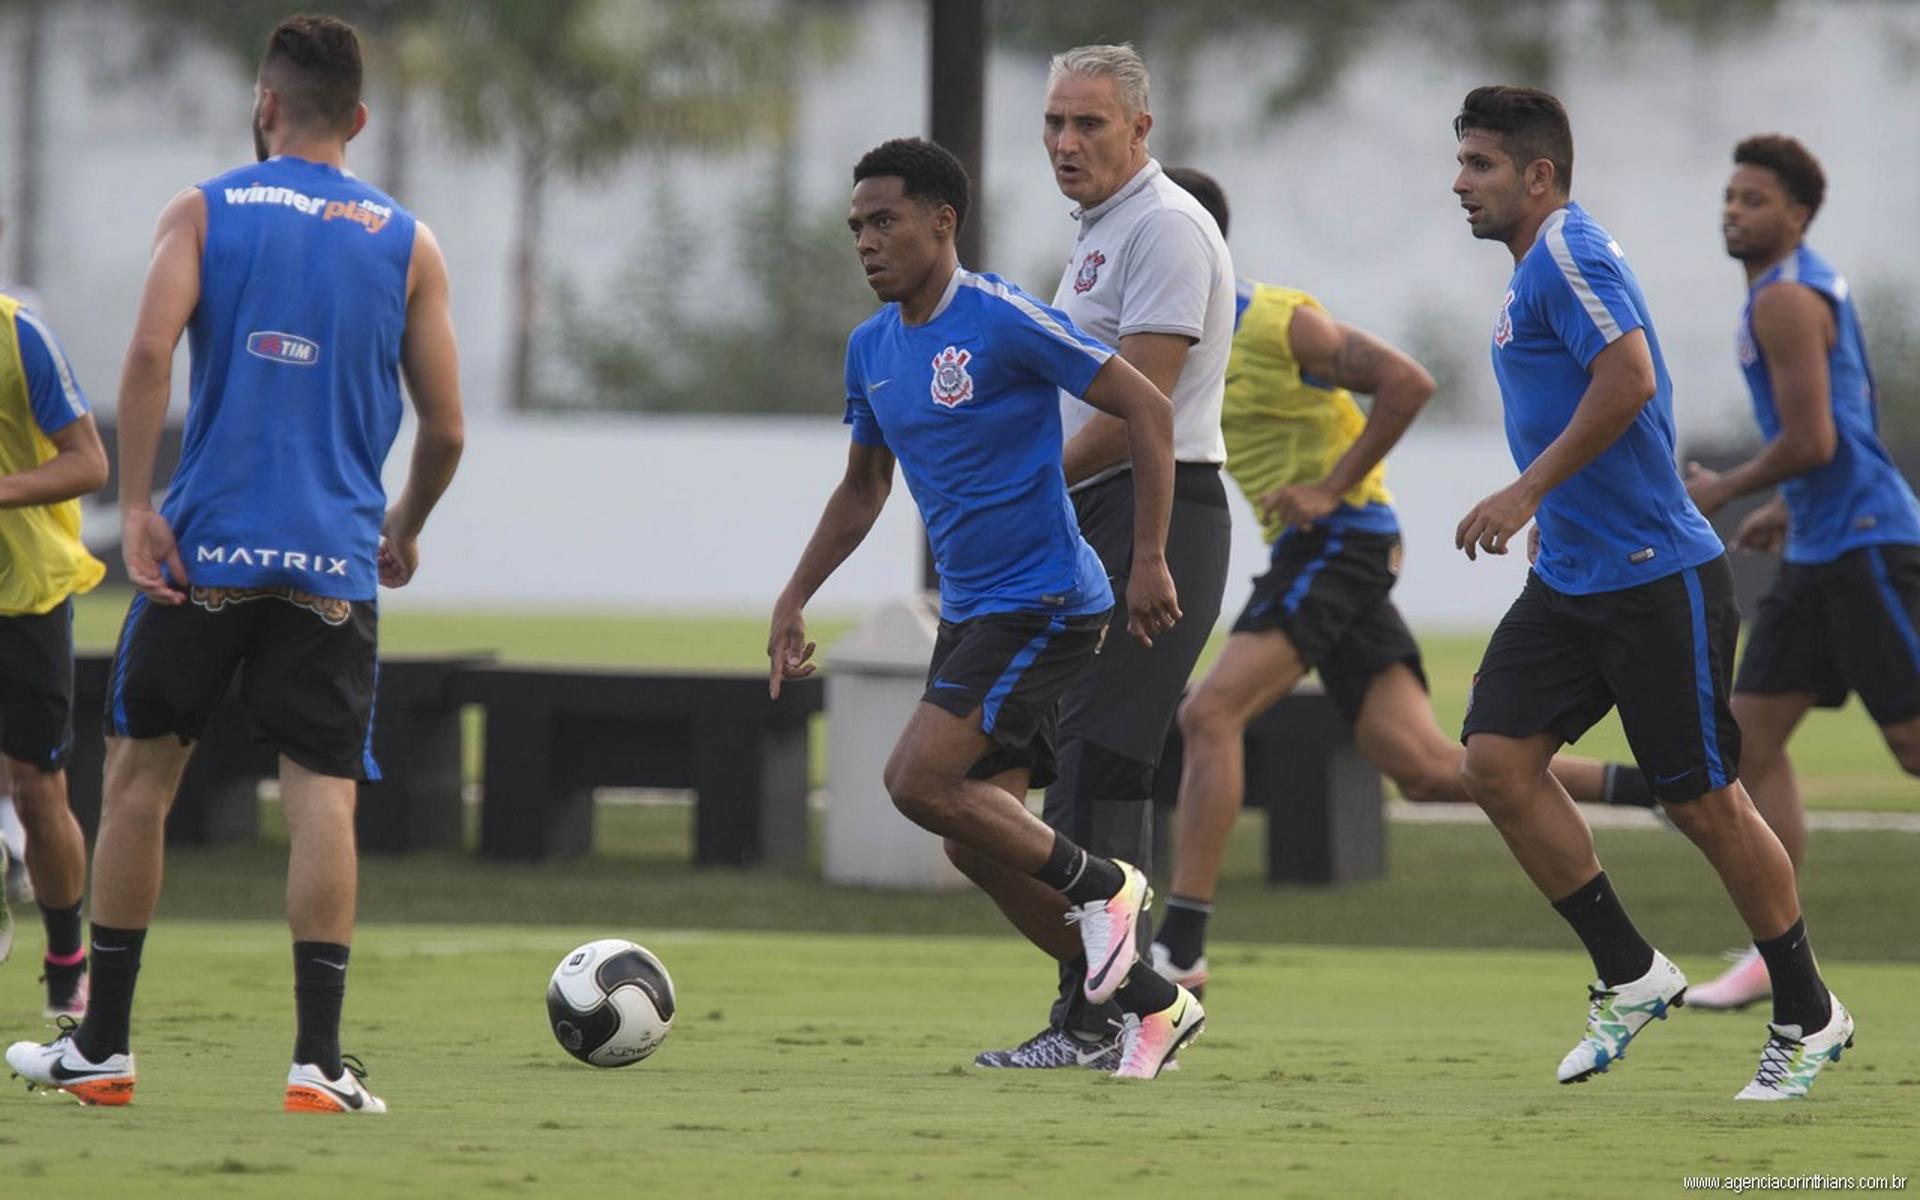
(1148, 1043)
(1615, 1015)
(1745, 982)
(309, 1089)
(65, 997)
(1790, 1060)
(1053, 1048)
(1108, 929)
(19, 884)
(60, 1065)
(1193, 978)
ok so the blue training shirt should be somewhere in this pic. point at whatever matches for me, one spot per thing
(53, 392)
(969, 404)
(1624, 519)
(296, 381)
(1859, 498)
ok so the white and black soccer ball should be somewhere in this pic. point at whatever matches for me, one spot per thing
(610, 1003)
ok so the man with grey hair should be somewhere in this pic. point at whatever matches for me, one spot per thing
(1150, 274)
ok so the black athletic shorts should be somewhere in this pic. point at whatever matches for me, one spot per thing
(1839, 627)
(36, 687)
(306, 668)
(1013, 668)
(1328, 592)
(1662, 652)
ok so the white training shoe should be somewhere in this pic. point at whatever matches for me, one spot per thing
(1616, 1014)
(1108, 929)
(1745, 982)
(1790, 1060)
(1193, 978)
(309, 1089)
(60, 1065)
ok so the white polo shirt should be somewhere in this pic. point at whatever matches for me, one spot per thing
(1149, 259)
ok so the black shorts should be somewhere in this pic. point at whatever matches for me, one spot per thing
(36, 687)
(1844, 626)
(1328, 592)
(306, 667)
(1662, 652)
(1013, 668)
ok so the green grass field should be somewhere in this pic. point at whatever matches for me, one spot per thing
(820, 1065)
(1389, 1038)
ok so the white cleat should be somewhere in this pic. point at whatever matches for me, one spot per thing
(1745, 982)
(19, 885)
(1148, 1044)
(1616, 1014)
(1790, 1061)
(1108, 929)
(60, 1065)
(309, 1089)
(1193, 978)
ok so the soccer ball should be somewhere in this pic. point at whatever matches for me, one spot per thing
(610, 1003)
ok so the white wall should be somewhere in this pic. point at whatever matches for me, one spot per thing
(703, 513)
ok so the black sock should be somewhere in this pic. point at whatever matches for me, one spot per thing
(319, 987)
(1183, 931)
(1082, 876)
(1626, 786)
(1620, 954)
(1800, 996)
(1145, 991)
(115, 962)
(63, 933)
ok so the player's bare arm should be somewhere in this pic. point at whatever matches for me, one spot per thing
(849, 516)
(1794, 329)
(1131, 400)
(1622, 381)
(1353, 359)
(430, 362)
(77, 468)
(1102, 443)
(146, 383)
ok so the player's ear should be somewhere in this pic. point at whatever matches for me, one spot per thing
(359, 121)
(1539, 177)
(1142, 126)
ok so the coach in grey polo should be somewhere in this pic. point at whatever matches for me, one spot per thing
(1149, 274)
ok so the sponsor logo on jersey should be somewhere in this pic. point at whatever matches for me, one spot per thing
(267, 556)
(952, 386)
(373, 217)
(1744, 347)
(1503, 324)
(283, 348)
(1089, 273)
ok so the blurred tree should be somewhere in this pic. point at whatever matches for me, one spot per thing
(573, 87)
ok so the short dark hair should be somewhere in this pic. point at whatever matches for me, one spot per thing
(1798, 169)
(1204, 188)
(313, 62)
(926, 170)
(1532, 124)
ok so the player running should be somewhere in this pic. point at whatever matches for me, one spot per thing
(958, 378)
(50, 456)
(305, 294)
(1840, 616)
(1629, 603)
(1314, 468)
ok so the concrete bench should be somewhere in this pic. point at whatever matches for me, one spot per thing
(1324, 802)
(556, 733)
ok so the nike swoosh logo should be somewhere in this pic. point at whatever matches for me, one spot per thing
(336, 966)
(1674, 778)
(1097, 979)
(350, 1099)
(874, 387)
(1086, 1057)
(61, 1073)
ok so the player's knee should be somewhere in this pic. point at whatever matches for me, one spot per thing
(36, 793)
(1491, 782)
(1204, 717)
(914, 794)
(1431, 783)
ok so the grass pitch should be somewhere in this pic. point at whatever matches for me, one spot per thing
(820, 1065)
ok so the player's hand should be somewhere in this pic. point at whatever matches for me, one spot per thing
(152, 556)
(788, 650)
(1533, 544)
(1153, 606)
(1491, 524)
(1764, 530)
(399, 556)
(1299, 504)
(1705, 490)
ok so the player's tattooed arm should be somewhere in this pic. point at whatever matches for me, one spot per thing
(849, 516)
(1335, 354)
(1794, 330)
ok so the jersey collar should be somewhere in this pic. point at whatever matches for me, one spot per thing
(946, 297)
(1142, 177)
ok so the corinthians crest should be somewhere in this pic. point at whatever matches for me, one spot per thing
(952, 386)
(1089, 273)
